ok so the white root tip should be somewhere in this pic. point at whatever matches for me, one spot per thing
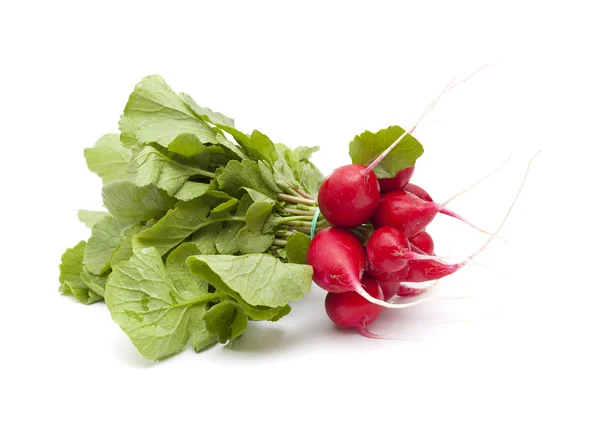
(514, 202)
(460, 193)
(360, 290)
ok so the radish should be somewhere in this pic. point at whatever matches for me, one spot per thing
(409, 213)
(422, 242)
(421, 270)
(390, 289)
(388, 250)
(337, 258)
(348, 197)
(338, 261)
(418, 191)
(351, 310)
(398, 182)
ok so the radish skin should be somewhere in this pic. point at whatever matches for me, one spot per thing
(347, 197)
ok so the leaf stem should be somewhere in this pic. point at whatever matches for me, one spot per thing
(204, 299)
(204, 173)
(284, 233)
(298, 211)
(293, 199)
(301, 229)
(297, 218)
(304, 193)
(280, 242)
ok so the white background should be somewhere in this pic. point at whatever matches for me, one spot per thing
(317, 73)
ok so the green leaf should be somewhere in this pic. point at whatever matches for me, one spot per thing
(246, 174)
(206, 114)
(179, 223)
(261, 147)
(267, 176)
(297, 247)
(226, 320)
(70, 276)
(154, 167)
(90, 218)
(226, 242)
(259, 279)
(309, 176)
(257, 214)
(226, 206)
(206, 239)
(160, 307)
(259, 197)
(159, 115)
(368, 146)
(258, 145)
(191, 190)
(95, 283)
(106, 237)
(186, 144)
(128, 135)
(125, 250)
(226, 143)
(254, 238)
(187, 284)
(129, 202)
(305, 152)
(109, 159)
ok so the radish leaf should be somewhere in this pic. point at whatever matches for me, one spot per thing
(368, 146)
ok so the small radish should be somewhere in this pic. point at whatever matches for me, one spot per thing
(338, 261)
(337, 258)
(351, 310)
(409, 213)
(422, 241)
(418, 191)
(349, 196)
(390, 289)
(398, 182)
(388, 250)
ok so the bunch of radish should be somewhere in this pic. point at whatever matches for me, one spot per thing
(364, 272)
(362, 275)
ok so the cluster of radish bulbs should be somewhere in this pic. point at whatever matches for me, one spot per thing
(362, 274)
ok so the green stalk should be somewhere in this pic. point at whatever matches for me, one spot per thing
(294, 199)
(204, 299)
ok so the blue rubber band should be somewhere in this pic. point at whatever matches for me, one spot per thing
(314, 224)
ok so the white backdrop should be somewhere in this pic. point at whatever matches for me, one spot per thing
(316, 73)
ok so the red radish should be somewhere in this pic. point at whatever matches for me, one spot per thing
(349, 196)
(422, 241)
(409, 213)
(338, 261)
(398, 182)
(418, 191)
(351, 310)
(390, 289)
(388, 250)
(337, 258)
(421, 271)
